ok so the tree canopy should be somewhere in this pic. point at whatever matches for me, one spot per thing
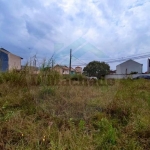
(97, 69)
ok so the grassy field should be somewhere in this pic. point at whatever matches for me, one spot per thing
(36, 115)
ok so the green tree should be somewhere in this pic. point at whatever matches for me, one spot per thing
(97, 69)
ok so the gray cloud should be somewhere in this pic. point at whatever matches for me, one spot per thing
(41, 27)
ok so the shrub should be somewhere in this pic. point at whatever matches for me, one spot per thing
(46, 91)
(133, 72)
(77, 77)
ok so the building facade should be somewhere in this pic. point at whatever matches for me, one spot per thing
(78, 70)
(64, 69)
(129, 67)
(9, 61)
(61, 69)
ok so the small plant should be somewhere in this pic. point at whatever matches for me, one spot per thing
(46, 91)
(82, 124)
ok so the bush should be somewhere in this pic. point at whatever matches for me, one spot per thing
(133, 72)
(46, 91)
(77, 77)
(13, 77)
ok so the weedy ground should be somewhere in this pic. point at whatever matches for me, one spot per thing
(36, 115)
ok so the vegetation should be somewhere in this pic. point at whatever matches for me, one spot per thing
(37, 112)
(132, 72)
(78, 77)
(97, 69)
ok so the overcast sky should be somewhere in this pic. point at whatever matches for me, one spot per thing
(93, 29)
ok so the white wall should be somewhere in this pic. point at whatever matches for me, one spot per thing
(14, 62)
(131, 66)
(66, 72)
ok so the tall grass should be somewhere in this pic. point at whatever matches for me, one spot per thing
(37, 112)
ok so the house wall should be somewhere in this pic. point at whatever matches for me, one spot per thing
(3, 61)
(14, 62)
(65, 71)
(78, 70)
(58, 69)
(131, 66)
(61, 69)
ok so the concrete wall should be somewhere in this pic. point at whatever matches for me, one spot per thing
(14, 62)
(128, 67)
(3, 61)
(123, 76)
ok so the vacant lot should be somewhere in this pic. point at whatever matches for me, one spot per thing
(39, 116)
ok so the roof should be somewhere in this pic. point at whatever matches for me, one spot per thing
(64, 67)
(78, 67)
(129, 60)
(61, 66)
(72, 69)
(7, 52)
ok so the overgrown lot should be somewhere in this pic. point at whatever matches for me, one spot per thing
(36, 115)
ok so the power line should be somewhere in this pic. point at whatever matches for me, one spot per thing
(75, 65)
(80, 60)
(131, 56)
(83, 63)
(126, 58)
(137, 56)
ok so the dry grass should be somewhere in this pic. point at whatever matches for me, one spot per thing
(80, 117)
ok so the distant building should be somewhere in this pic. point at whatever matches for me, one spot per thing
(78, 70)
(72, 71)
(9, 61)
(112, 72)
(129, 67)
(31, 69)
(63, 69)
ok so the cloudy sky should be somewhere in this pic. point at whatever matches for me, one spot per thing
(93, 29)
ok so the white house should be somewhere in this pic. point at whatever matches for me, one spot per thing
(128, 67)
(9, 61)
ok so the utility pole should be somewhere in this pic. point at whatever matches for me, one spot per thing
(35, 61)
(70, 61)
(52, 63)
(148, 65)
